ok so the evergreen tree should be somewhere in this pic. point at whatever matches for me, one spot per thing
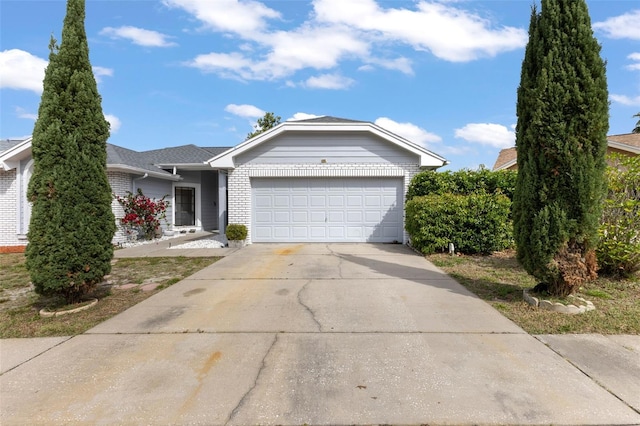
(561, 133)
(265, 123)
(72, 224)
(637, 128)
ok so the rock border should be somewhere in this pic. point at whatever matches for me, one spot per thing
(48, 314)
(559, 307)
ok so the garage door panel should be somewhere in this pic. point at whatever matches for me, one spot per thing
(301, 217)
(281, 217)
(327, 209)
(299, 200)
(317, 201)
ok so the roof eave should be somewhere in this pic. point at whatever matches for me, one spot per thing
(138, 171)
(10, 159)
(623, 147)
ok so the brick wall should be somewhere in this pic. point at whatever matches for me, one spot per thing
(239, 182)
(8, 209)
(120, 184)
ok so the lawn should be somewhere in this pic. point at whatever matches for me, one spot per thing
(499, 280)
(19, 305)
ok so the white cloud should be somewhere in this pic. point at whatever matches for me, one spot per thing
(634, 57)
(448, 32)
(623, 26)
(138, 36)
(285, 53)
(491, 134)
(329, 81)
(99, 72)
(21, 70)
(625, 100)
(246, 111)
(408, 131)
(114, 122)
(22, 113)
(341, 30)
(302, 116)
(245, 18)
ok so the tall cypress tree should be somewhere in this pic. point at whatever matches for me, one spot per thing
(563, 120)
(72, 224)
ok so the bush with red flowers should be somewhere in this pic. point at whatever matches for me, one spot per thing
(142, 215)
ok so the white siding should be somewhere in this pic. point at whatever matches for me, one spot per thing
(327, 148)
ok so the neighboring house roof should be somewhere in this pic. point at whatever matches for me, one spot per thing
(225, 160)
(628, 142)
(506, 158)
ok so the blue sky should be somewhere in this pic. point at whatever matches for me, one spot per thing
(443, 74)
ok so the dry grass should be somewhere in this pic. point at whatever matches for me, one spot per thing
(20, 305)
(499, 280)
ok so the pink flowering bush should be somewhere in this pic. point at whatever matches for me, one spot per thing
(142, 214)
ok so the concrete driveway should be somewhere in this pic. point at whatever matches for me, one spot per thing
(308, 334)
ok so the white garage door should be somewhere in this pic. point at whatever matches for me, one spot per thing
(327, 209)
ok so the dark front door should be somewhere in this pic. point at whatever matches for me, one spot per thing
(185, 206)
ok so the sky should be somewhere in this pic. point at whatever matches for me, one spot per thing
(443, 74)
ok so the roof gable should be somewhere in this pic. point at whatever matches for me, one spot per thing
(227, 159)
(12, 151)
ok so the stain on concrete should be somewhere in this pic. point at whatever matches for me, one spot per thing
(210, 362)
(193, 292)
(289, 250)
(282, 292)
(164, 317)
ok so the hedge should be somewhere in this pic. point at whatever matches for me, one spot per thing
(463, 182)
(475, 223)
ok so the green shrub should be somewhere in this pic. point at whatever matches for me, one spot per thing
(463, 182)
(619, 247)
(475, 223)
(236, 231)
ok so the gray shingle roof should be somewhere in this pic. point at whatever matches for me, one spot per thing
(117, 155)
(185, 154)
(329, 119)
(7, 144)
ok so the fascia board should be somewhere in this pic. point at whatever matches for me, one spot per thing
(134, 170)
(10, 159)
(506, 165)
(623, 147)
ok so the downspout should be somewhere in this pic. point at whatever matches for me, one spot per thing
(134, 180)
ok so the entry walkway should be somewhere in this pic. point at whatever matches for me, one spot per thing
(310, 334)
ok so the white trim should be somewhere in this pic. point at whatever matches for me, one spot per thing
(10, 159)
(198, 205)
(623, 147)
(226, 160)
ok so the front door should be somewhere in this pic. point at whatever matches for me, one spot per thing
(185, 206)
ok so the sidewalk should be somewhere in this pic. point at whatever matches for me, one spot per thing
(161, 248)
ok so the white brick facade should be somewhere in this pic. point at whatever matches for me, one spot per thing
(8, 211)
(120, 183)
(239, 183)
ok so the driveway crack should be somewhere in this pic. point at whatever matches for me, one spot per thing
(307, 307)
(340, 260)
(255, 382)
